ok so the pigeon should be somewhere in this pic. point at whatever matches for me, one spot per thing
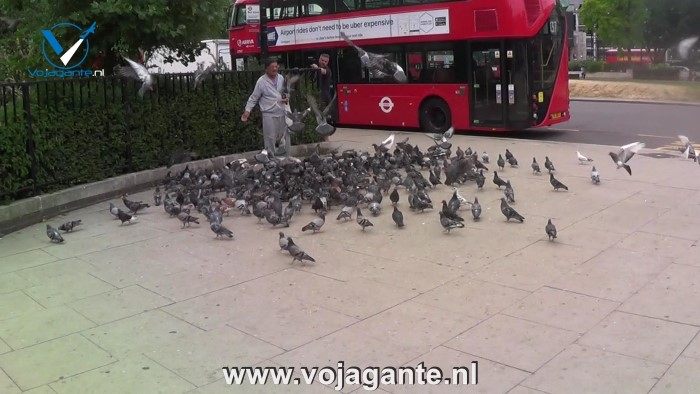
(283, 241)
(442, 137)
(508, 154)
(556, 184)
(685, 45)
(595, 178)
(316, 223)
(548, 164)
(458, 196)
(394, 196)
(397, 216)
(500, 162)
(322, 126)
(113, 210)
(512, 161)
(345, 213)
(624, 154)
(498, 181)
(362, 221)
(480, 179)
(53, 234)
(535, 166)
(582, 159)
(374, 208)
(687, 147)
(476, 209)
(220, 230)
(509, 192)
(450, 214)
(551, 230)
(134, 206)
(138, 72)
(186, 218)
(297, 253)
(509, 212)
(263, 157)
(125, 217)
(449, 224)
(68, 226)
(157, 197)
(386, 145)
(485, 157)
(378, 65)
(295, 120)
(202, 72)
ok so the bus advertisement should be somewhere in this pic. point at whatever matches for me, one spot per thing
(471, 64)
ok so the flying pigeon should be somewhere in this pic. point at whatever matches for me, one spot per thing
(443, 137)
(377, 64)
(322, 128)
(582, 159)
(624, 154)
(685, 45)
(138, 72)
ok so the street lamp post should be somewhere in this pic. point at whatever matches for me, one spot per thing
(263, 30)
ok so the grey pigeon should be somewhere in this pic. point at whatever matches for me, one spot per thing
(449, 224)
(397, 216)
(69, 226)
(186, 218)
(362, 221)
(220, 230)
(283, 241)
(297, 253)
(394, 196)
(138, 72)
(497, 180)
(125, 217)
(53, 234)
(548, 164)
(509, 192)
(551, 230)
(374, 208)
(535, 166)
(595, 177)
(378, 65)
(297, 120)
(624, 154)
(345, 213)
(485, 157)
(509, 212)
(500, 162)
(322, 126)
(316, 223)
(157, 197)
(113, 210)
(555, 183)
(476, 209)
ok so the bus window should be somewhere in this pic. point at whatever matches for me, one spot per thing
(545, 50)
(440, 67)
(350, 67)
(374, 4)
(238, 16)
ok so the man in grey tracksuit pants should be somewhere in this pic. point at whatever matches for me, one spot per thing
(267, 95)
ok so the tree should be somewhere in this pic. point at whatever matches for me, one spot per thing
(123, 27)
(617, 22)
(670, 21)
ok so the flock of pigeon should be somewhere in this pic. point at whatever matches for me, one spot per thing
(351, 181)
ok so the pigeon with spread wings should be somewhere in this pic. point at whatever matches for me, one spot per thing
(377, 64)
(625, 153)
(138, 72)
(323, 127)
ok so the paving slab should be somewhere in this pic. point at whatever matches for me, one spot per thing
(154, 307)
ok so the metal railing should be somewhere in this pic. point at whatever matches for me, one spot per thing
(31, 111)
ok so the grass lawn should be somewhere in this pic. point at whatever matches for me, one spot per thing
(636, 89)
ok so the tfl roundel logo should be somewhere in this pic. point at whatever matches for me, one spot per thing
(65, 45)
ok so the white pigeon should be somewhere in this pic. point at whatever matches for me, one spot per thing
(582, 159)
(625, 153)
(388, 143)
(685, 45)
(138, 72)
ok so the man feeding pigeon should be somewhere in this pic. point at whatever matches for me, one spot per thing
(267, 95)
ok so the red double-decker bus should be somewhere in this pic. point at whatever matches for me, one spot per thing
(472, 64)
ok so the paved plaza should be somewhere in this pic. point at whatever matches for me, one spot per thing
(611, 306)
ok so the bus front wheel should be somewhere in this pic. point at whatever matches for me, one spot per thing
(435, 116)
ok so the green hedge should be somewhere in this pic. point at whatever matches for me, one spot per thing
(115, 132)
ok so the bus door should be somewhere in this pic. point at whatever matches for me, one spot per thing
(498, 84)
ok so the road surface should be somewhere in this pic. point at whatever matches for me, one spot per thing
(615, 123)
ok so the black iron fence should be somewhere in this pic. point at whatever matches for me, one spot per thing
(62, 132)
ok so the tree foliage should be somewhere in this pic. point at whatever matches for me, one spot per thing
(617, 22)
(123, 27)
(671, 21)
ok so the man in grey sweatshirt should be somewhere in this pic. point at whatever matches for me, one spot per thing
(267, 95)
